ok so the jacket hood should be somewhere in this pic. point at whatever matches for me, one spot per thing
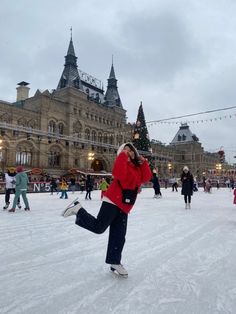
(130, 145)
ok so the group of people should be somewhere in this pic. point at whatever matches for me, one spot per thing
(130, 171)
(16, 182)
(187, 186)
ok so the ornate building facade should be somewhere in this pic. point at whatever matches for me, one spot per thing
(79, 126)
(74, 126)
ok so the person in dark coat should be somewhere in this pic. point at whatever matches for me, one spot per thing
(156, 185)
(88, 187)
(53, 186)
(130, 170)
(187, 186)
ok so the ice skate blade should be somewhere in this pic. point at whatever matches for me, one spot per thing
(72, 203)
(115, 272)
(70, 209)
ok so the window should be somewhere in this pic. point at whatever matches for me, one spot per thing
(51, 127)
(100, 137)
(54, 159)
(87, 134)
(23, 158)
(111, 139)
(94, 136)
(60, 128)
(105, 138)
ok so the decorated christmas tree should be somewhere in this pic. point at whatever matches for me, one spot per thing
(141, 137)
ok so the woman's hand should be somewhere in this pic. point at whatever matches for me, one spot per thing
(141, 159)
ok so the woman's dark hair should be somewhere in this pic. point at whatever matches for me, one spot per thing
(136, 160)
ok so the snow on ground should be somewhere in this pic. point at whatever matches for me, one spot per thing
(179, 261)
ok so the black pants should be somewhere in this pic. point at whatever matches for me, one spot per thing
(174, 187)
(7, 195)
(157, 190)
(109, 215)
(53, 188)
(88, 194)
(187, 198)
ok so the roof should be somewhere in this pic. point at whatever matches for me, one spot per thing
(184, 135)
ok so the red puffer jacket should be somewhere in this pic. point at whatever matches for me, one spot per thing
(130, 177)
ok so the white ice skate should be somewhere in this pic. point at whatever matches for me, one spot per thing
(119, 270)
(72, 208)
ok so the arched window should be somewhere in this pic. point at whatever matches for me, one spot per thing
(22, 122)
(5, 118)
(32, 124)
(111, 139)
(77, 128)
(94, 136)
(105, 138)
(87, 134)
(100, 137)
(54, 157)
(23, 155)
(61, 128)
(51, 127)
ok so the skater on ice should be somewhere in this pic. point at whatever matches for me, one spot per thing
(10, 181)
(187, 186)
(130, 170)
(22, 182)
(156, 185)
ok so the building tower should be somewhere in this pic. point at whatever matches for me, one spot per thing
(112, 97)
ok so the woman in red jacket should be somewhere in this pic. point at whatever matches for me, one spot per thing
(235, 196)
(130, 170)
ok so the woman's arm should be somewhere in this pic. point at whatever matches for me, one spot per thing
(119, 170)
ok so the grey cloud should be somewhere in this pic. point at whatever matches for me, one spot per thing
(157, 46)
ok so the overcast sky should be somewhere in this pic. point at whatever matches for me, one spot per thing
(176, 56)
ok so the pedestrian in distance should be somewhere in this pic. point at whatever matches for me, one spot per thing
(22, 182)
(187, 186)
(156, 185)
(130, 170)
(64, 188)
(72, 184)
(88, 187)
(174, 185)
(10, 187)
(53, 186)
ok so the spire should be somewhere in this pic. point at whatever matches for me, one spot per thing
(70, 75)
(112, 97)
(112, 73)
